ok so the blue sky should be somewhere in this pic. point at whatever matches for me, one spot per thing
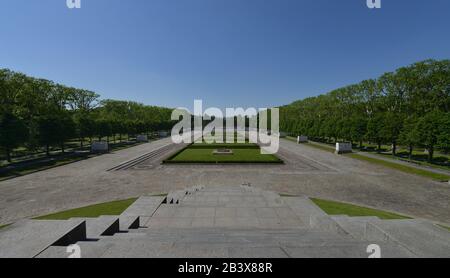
(249, 53)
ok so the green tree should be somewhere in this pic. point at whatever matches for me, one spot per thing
(55, 129)
(428, 128)
(13, 133)
(409, 135)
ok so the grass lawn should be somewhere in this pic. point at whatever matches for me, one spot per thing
(110, 208)
(336, 208)
(400, 167)
(393, 165)
(439, 161)
(445, 227)
(203, 153)
(4, 226)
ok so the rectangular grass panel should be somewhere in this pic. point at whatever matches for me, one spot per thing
(204, 153)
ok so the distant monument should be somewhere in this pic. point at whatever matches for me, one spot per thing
(99, 147)
(223, 152)
(142, 138)
(343, 148)
(302, 139)
(163, 133)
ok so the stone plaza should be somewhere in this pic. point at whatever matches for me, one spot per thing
(225, 210)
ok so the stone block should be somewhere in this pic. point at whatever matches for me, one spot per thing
(302, 139)
(99, 147)
(142, 138)
(343, 148)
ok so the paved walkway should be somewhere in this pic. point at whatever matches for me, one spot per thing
(307, 171)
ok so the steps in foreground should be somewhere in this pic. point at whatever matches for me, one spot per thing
(27, 239)
(228, 222)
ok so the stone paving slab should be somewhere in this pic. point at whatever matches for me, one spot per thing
(421, 239)
(100, 226)
(144, 206)
(28, 238)
(129, 222)
(307, 171)
(277, 227)
(303, 208)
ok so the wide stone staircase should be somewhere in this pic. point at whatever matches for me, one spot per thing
(225, 222)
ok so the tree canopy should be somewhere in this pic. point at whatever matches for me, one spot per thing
(410, 106)
(38, 113)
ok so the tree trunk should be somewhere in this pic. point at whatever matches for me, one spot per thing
(81, 143)
(47, 150)
(394, 148)
(379, 146)
(62, 147)
(410, 152)
(430, 154)
(8, 155)
(360, 144)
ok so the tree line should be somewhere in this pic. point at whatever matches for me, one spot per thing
(408, 107)
(40, 114)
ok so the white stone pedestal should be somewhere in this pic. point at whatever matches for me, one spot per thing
(99, 147)
(302, 139)
(343, 148)
(142, 138)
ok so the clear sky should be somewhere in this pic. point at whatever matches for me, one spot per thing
(249, 53)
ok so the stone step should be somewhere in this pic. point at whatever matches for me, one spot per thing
(304, 208)
(355, 226)
(138, 248)
(101, 226)
(175, 197)
(144, 206)
(28, 238)
(129, 222)
(87, 250)
(232, 235)
(348, 250)
(420, 237)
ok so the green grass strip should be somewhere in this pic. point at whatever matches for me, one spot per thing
(400, 167)
(445, 227)
(393, 165)
(336, 208)
(110, 208)
(4, 226)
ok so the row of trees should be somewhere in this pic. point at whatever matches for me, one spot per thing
(410, 107)
(38, 113)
